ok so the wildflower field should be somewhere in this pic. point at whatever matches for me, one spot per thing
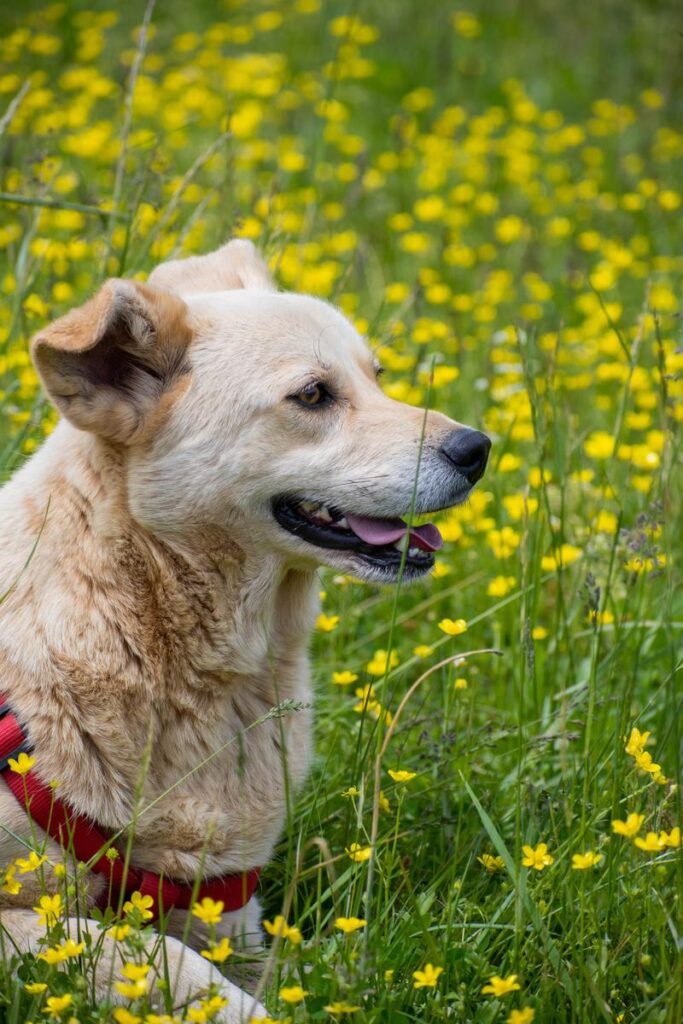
(491, 830)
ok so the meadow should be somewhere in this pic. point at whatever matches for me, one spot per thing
(492, 192)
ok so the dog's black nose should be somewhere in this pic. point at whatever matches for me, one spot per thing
(468, 450)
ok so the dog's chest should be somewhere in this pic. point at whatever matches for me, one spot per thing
(219, 771)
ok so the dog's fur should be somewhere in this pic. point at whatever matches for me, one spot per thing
(152, 601)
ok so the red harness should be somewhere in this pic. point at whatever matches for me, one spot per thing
(88, 844)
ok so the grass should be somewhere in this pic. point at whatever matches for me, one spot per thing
(494, 196)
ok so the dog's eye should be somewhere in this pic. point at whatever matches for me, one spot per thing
(313, 394)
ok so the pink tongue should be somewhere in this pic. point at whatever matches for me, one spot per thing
(386, 531)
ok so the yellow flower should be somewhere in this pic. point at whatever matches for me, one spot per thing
(636, 742)
(218, 952)
(119, 932)
(452, 627)
(292, 993)
(207, 1009)
(509, 229)
(58, 954)
(351, 791)
(344, 678)
(140, 903)
(31, 863)
(123, 1016)
(599, 445)
(537, 858)
(401, 775)
(336, 1008)
(519, 505)
(381, 662)
(524, 1016)
(209, 911)
(498, 986)
(491, 863)
(49, 910)
(22, 764)
(427, 977)
(136, 984)
(327, 623)
(651, 843)
(672, 838)
(384, 804)
(11, 884)
(500, 586)
(509, 462)
(583, 861)
(359, 853)
(279, 928)
(630, 827)
(423, 650)
(34, 988)
(56, 1005)
(349, 924)
(562, 556)
(644, 761)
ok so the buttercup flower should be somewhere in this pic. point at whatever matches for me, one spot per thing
(525, 1016)
(537, 857)
(630, 827)
(209, 911)
(58, 954)
(349, 924)
(651, 843)
(359, 853)
(140, 903)
(30, 863)
(499, 987)
(22, 764)
(452, 627)
(279, 928)
(292, 993)
(427, 977)
(218, 952)
(49, 910)
(583, 861)
(344, 678)
(35, 988)
(56, 1005)
(401, 775)
(491, 863)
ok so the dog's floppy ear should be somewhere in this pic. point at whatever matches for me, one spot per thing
(235, 265)
(107, 365)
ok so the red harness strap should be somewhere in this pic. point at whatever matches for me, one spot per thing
(89, 844)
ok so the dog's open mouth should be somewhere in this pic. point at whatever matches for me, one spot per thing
(380, 542)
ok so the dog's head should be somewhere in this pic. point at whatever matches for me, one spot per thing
(258, 412)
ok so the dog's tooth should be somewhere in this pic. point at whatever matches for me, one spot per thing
(323, 513)
(308, 506)
(342, 522)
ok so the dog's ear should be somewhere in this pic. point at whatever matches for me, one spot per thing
(107, 365)
(233, 266)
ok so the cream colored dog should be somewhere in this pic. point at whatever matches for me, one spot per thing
(219, 441)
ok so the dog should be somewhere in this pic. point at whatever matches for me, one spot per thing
(218, 441)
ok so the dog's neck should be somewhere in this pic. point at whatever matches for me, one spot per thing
(134, 629)
(231, 606)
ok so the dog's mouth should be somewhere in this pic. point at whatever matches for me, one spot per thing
(380, 543)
